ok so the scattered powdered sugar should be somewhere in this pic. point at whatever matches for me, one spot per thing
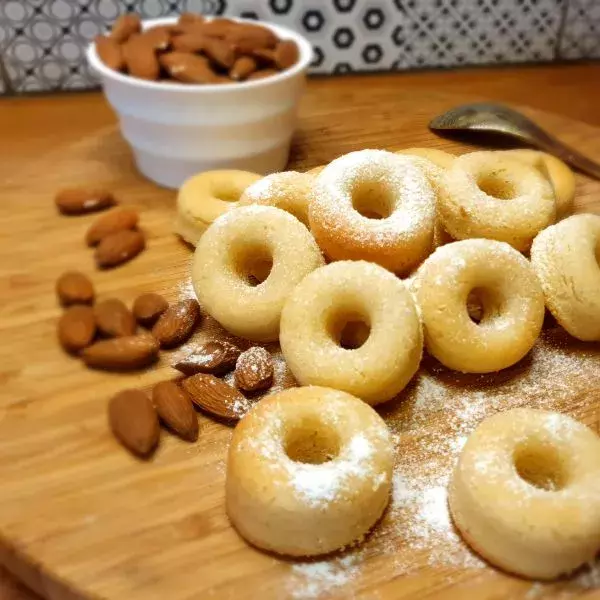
(314, 579)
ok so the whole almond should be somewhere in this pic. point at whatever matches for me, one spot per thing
(177, 323)
(114, 319)
(115, 220)
(118, 248)
(125, 26)
(248, 37)
(242, 67)
(188, 68)
(159, 37)
(216, 357)
(80, 201)
(254, 370)
(122, 354)
(73, 287)
(286, 54)
(220, 52)
(148, 307)
(217, 28)
(262, 74)
(265, 57)
(134, 422)
(109, 52)
(174, 407)
(216, 397)
(189, 42)
(76, 328)
(140, 58)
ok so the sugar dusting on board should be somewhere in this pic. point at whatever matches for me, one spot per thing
(430, 424)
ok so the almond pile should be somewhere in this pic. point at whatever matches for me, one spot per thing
(115, 235)
(195, 50)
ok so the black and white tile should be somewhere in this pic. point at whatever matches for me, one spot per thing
(42, 42)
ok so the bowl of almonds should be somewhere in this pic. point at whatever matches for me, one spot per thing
(195, 93)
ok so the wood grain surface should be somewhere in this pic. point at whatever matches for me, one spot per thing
(80, 518)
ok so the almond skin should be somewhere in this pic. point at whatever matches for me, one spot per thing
(220, 52)
(174, 407)
(73, 287)
(122, 354)
(147, 308)
(177, 323)
(125, 26)
(243, 66)
(189, 18)
(188, 68)
(140, 58)
(76, 328)
(109, 52)
(254, 370)
(189, 42)
(80, 201)
(248, 37)
(216, 397)
(286, 54)
(118, 248)
(114, 319)
(159, 37)
(118, 219)
(216, 356)
(134, 422)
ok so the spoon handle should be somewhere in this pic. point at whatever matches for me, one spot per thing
(569, 155)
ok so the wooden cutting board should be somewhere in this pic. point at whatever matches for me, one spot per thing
(81, 518)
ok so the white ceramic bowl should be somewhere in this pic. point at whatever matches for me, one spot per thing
(178, 130)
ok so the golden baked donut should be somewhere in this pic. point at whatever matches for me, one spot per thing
(511, 296)
(288, 190)
(316, 170)
(247, 263)
(204, 197)
(373, 205)
(440, 158)
(566, 259)
(314, 330)
(487, 195)
(525, 493)
(556, 171)
(309, 471)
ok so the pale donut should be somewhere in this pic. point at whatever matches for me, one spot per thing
(376, 183)
(241, 244)
(204, 197)
(516, 205)
(566, 259)
(440, 158)
(309, 471)
(288, 190)
(556, 171)
(316, 170)
(316, 314)
(512, 299)
(525, 493)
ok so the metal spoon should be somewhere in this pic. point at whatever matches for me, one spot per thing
(496, 118)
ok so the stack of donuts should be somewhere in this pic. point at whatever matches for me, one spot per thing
(355, 268)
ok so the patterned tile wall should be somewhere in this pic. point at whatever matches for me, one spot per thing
(42, 42)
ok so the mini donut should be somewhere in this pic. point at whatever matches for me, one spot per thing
(205, 197)
(373, 205)
(309, 471)
(556, 171)
(525, 493)
(315, 320)
(316, 170)
(440, 158)
(566, 259)
(487, 195)
(288, 190)
(510, 294)
(237, 250)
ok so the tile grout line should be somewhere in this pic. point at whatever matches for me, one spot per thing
(561, 29)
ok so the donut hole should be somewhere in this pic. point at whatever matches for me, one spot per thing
(226, 192)
(253, 264)
(494, 184)
(372, 199)
(540, 465)
(349, 329)
(311, 441)
(483, 305)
